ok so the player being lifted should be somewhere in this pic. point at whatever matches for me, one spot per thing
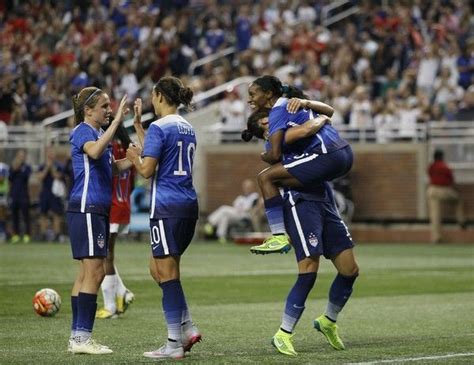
(308, 163)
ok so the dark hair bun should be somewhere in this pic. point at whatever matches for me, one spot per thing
(246, 135)
(185, 95)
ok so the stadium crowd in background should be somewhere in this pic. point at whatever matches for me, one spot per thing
(384, 67)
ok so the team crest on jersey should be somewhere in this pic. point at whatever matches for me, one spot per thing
(313, 240)
(101, 241)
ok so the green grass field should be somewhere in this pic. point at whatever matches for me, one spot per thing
(410, 301)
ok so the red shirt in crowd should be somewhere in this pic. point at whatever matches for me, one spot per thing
(121, 188)
(440, 174)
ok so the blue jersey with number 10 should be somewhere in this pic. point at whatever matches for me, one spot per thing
(172, 141)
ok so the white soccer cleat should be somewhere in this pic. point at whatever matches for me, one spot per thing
(123, 302)
(166, 352)
(129, 296)
(89, 347)
(190, 336)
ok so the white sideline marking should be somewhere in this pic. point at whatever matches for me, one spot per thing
(447, 356)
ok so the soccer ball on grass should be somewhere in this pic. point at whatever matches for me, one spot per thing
(46, 302)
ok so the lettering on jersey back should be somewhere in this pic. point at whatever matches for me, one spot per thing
(185, 129)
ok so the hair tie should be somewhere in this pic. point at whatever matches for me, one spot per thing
(285, 89)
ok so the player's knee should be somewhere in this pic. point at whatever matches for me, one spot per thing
(266, 177)
(350, 271)
(262, 178)
(154, 274)
(95, 274)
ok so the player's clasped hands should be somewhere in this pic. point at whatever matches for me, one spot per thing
(133, 151)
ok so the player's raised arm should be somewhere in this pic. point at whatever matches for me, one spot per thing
(137, 121)
(95, 149)
(294, 104)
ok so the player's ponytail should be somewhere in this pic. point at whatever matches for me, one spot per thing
(246, 135)
(78, 111)
(185, 96)
(174, 92)
(289, 92)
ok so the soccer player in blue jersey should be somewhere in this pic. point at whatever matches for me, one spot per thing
(168, 154)
(315, 228)
(312, 160)
(89, 205)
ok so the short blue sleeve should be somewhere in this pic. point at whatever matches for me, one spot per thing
(277, 119)
(81, 136)
(154, 141)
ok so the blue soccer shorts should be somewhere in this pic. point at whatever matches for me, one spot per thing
(171, 236)
(89, 234)
(315, 228)
(314, 168)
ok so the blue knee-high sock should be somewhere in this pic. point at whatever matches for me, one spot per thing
(185, 315)
(74, 314)
(86, 307)
(296, 299)
(339, 294)
(274, 212)
(174, 303)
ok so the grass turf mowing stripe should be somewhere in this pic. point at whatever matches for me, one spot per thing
(422, 358)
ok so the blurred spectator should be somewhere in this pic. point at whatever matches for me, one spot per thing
(3, 200)
(218, 221)
(243, 28)
(361, 109)
(408, 113)
(451, 110)
(427, 71)
(19, 197)
(6, 99)
(386, 123)
(215, 37)
(52, 195)
(3, 131)
(466, 112)
(446, 89)
(232, 114)
(441, 190)
(466, 66)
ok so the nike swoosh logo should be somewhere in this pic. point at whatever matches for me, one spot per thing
(298, 307)
(277, 342)
(274, 245)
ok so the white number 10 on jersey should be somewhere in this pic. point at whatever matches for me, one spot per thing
(183, 170)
